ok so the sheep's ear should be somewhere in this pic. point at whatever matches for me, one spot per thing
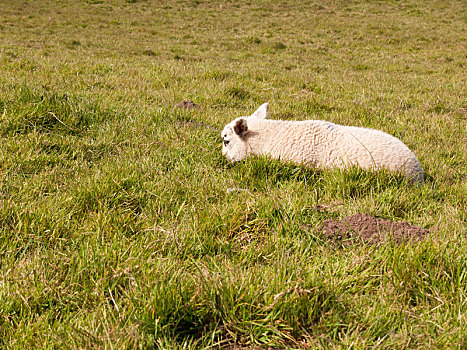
(241, 127)
(261, 112)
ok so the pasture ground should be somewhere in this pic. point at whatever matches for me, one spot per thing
(122, 226)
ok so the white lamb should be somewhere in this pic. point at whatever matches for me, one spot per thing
(318, 143)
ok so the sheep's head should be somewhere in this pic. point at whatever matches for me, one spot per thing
(235, 135)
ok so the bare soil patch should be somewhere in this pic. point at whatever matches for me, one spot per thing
(187, 105)
(371, 229)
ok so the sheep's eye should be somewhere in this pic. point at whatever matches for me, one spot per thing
(226, 142)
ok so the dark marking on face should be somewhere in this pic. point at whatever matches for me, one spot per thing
(241, 127)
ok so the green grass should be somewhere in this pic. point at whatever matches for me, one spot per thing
(122, 226)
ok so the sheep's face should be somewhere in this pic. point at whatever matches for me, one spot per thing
(235, 134)
(235, 147)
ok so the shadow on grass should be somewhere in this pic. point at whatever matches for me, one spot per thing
(262, 173)
(221, 308)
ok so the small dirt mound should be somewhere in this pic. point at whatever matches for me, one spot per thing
(371, 229)
(187, 105)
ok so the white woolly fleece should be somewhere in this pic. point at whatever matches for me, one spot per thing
(318, 144)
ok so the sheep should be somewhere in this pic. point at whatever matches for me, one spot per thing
(317, 143)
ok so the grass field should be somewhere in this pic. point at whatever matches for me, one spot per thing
(122, 226)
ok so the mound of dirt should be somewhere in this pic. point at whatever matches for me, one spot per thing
(371, 229)
(187, 105)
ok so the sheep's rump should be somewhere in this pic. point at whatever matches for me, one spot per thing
(369, 149)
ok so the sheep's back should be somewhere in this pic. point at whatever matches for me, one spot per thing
(326, 145)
